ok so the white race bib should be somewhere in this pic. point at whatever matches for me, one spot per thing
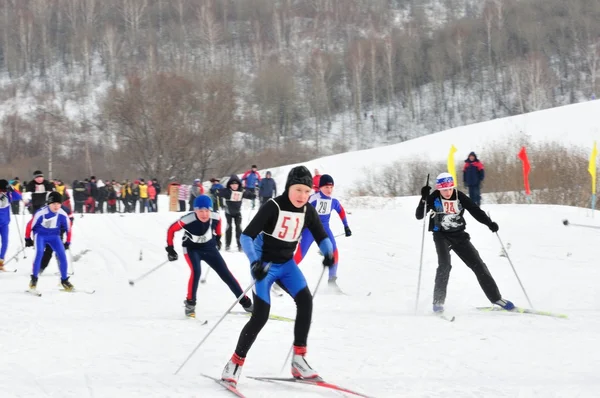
(289, 226)
(323, 206)
(236, 196)
(450, 206)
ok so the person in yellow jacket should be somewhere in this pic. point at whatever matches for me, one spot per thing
(143, 195)
(126, 196)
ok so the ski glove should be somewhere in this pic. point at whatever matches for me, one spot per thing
(493, 227)
(28, 242)
(218, 240)
(347, 231)
(67, 245)
(328, 260)
(259, 269)
(172, 254)
(425, 191)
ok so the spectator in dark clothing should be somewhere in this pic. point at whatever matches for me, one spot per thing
(214, 189)
(267, 188)
(39, 188)
(473, 174)
(79, 195)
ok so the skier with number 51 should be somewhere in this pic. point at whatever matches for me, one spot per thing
(269, 242)
(446, 206)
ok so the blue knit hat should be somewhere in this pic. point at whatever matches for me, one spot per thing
(203, 202)
(325, 180)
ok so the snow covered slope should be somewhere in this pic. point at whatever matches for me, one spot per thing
(127, 341)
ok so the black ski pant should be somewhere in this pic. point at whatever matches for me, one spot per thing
(15, 206)
(238, 229)
(260, 316)
(212, 257)
(460, 243)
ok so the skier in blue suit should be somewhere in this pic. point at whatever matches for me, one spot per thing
(7, 196)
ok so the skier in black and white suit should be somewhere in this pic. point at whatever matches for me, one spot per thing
(448, 226)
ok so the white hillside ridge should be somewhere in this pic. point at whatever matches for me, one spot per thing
(575, 125)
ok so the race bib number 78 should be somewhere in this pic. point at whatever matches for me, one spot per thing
(289, 226)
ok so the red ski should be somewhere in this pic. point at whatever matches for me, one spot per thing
(230, 387)
(315, 382)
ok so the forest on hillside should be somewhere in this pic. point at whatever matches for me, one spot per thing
(202, 88)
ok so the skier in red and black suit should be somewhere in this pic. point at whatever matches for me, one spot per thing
(202, 242)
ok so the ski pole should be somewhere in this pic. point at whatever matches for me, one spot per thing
(512, 266)
(203, 279)
(237, 300)
(567, 223)
(422, 248)
(71, 261)
(23, 222)
(514, 270)
(314, 294)
(19, 232)
(134, 281)
(13, 257)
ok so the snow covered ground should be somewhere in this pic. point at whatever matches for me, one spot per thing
(127, 341)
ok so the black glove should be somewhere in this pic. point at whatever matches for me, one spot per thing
(347, 231)
(67, 245)
(328, 260)
(218, 241)
(493, 227)
(425, 191)
(28, 242)
(259, 269)
(172, 254)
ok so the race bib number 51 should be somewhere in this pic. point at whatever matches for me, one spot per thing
(289, 226)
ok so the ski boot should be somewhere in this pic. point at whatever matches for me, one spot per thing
(300, 368)
(33, 282)
(247, 304)
(438, 307)
(68, 286)
(233, 370)
(228, 248)
(190, 308)
(332, 285)
(507, 305)
(1, 264)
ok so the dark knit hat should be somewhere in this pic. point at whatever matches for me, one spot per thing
(3, 185)
(37, 173)
(325, 180)
(54, 197)
(299, 175)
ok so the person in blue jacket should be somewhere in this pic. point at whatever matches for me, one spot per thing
(7, 196)
(267, 188)
(473, 174)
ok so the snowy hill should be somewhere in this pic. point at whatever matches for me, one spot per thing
(128, 342)
(573, 124)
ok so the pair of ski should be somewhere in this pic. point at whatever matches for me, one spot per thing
(516, 310)
(37, 293)
(319, 382)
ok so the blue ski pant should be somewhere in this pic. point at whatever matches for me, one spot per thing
(4, 237)
(306, 241)
(56, 243)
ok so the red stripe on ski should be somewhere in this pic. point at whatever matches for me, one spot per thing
(226, 385)
(318, 382)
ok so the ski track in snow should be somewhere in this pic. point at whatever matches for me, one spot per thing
(125, 341)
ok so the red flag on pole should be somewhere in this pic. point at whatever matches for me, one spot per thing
(526, 167)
